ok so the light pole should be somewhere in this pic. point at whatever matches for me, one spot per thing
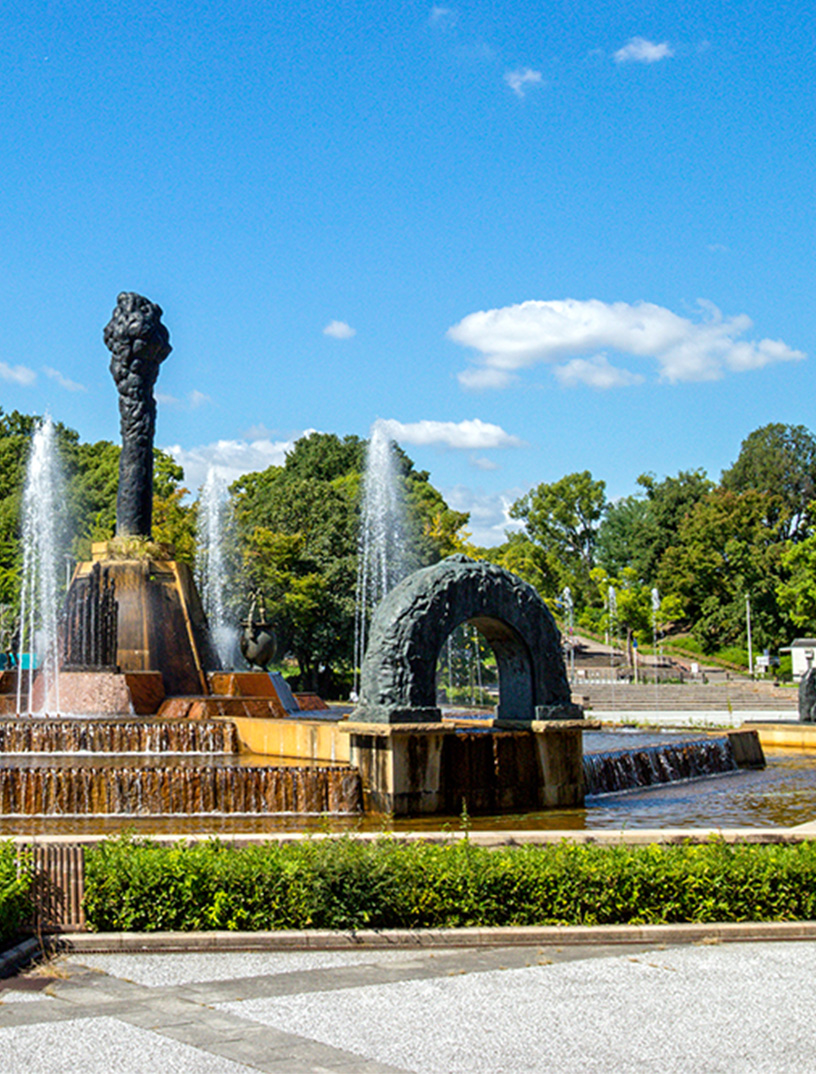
(748, 625)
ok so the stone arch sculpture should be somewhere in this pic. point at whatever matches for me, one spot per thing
(413, 621)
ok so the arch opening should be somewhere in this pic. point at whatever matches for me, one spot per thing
(485, 663)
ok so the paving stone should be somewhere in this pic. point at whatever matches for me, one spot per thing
(100, 1046)
(183, 968)
(591, 1008)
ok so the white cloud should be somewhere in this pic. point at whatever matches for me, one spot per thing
(521, 79)
(339, 330)
(17, 374)
(231, 458)
(192, 400)
(481, 378)
(596, 372)
(717, 248)
(472, 435)
(442, 16)
(489, 512)
(517, 337)
(641, 50)
(482, 463)
(64, 382)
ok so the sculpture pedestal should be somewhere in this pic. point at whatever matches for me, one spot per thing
(422, 768)
(161, 623)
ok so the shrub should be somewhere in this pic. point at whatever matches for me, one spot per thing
(15, 890)
(352, 884)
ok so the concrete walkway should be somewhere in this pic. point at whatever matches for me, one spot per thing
(705, 719)
(590, 1007)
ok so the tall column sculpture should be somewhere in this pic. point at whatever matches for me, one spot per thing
(138, 343)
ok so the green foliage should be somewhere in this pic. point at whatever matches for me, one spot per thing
(92, 471)
(298, 527)
(730, 656)
(298, 546)
(669, 501)
(528, 560)
(623, 537)
(562, 519)
(351, 884)
(779, 460)
(797, 591)
(16, 431)
(634, 618)
(15, 890)
(325, 457)
(726, 549)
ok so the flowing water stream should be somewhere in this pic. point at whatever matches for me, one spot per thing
(382, 559)
(40, 594)
(212, 568)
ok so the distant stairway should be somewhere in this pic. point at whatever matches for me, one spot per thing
(736, 696)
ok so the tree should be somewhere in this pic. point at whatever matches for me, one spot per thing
(633, 605)
(779, 460)
(621, 538)
(526, 559)
(669, 502)
(16, 431)
(298, 530)
(562, 518)
(92, 472)
(797, 592)
(325, 457)
(725, 551)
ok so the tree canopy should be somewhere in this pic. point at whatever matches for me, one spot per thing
(562, 519)
(779, 460)
(298, 531)
(706, 547)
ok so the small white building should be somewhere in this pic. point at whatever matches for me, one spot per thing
(803, 655)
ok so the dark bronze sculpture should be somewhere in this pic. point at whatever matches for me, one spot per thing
(138, 343)
(412, 622)
(258, 643)
(807, 696)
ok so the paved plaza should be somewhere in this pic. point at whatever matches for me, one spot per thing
(622, 1008)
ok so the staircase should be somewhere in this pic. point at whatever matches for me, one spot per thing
(734, 696)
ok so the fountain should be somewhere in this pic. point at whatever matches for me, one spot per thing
(39, 601)
(649, 766)
(137, 644)
(160, 730)
(382, 560)
(211, 563)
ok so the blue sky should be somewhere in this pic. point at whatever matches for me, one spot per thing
(540, 239)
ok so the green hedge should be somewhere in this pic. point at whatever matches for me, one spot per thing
(351, 884)
(15, 891)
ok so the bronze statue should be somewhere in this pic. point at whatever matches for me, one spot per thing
(138, 343)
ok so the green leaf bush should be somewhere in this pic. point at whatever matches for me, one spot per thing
(15, 890)
(353, 884)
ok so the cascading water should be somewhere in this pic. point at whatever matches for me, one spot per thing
(628, 769)
(382, 560)
(214, 519)
(39, 601)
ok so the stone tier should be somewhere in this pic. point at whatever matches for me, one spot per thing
(426, 768)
